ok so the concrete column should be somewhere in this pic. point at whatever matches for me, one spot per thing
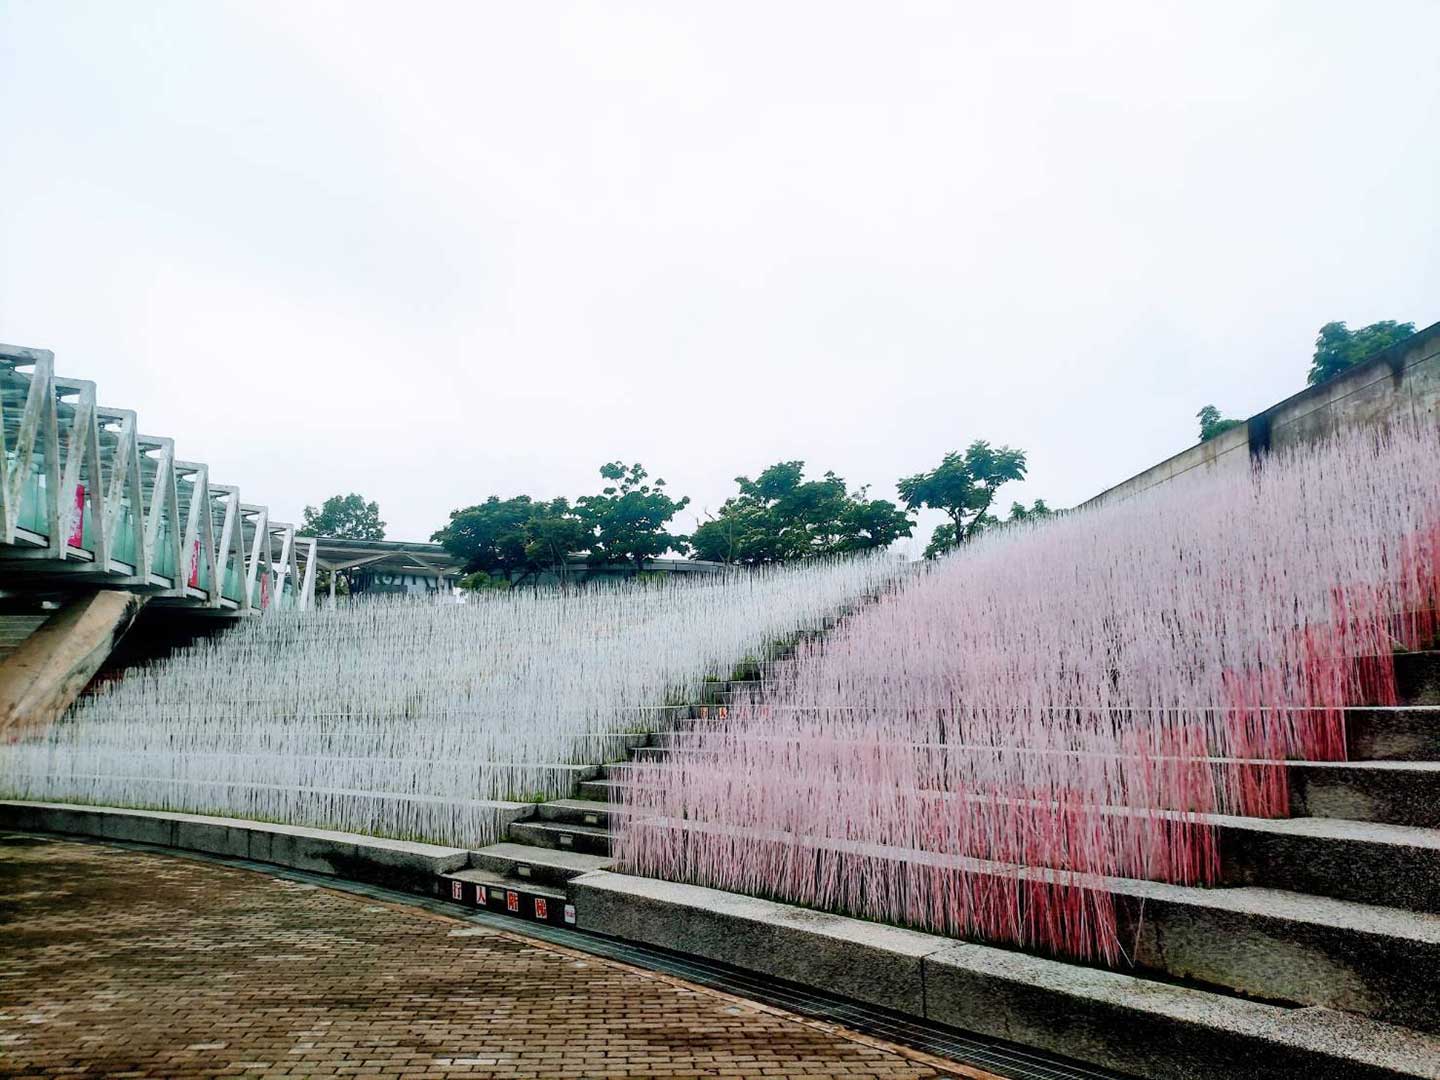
(40, 679)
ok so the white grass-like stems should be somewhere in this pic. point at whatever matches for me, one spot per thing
(412, 717)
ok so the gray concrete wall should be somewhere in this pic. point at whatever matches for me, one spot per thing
(1402, 380)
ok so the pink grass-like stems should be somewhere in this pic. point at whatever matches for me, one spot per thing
(1055, 705)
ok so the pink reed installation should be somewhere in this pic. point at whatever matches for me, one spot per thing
(977, 752)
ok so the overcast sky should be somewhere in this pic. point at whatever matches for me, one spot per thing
(431, 252)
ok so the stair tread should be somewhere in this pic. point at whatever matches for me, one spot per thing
(490, 879)
(1255, 900)
(590, 806)
(560, 827)
(1262, 902)
(1330, 828)
(538, 856)
(1375, 765)
(1424, 710)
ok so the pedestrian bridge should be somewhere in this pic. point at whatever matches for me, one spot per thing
(97, 520)
(88, 500)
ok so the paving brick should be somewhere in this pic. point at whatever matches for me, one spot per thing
(125, 963)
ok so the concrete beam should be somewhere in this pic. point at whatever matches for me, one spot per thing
(41, 678)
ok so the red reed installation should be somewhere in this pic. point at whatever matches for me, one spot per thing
(1054, 705)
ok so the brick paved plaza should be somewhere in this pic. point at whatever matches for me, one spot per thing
(115, 962)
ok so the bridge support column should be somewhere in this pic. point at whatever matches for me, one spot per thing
(40, 679)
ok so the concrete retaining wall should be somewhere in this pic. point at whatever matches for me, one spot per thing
(1402, 380)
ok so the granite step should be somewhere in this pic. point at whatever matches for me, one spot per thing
(586, 839)
(546, 866)
(1266, 943)
(599, 790)
(1390, 792)
(1393, 734)
(592, 812)
(1365, 861)
(1417, 677)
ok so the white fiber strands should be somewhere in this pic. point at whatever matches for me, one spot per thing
(1058, 704)
(414, 717)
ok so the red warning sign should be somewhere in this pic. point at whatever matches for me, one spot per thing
(541, 909)
(512, 901)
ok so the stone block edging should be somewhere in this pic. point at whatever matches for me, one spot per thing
(1118, 1021)
(402, 863)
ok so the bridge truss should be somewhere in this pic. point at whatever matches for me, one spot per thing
(88, 500)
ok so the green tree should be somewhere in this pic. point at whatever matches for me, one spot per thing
(505, 537)
(1038, 511)
(344, 517)
(943, 538)
(489, 536)
(963, 486)
(553, 533)
(871, 524)
(1338, 348)
(1212, 423)
(628, 518)
(780, 516)
(480, 581)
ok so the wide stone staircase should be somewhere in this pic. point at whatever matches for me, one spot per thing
(564, 838)
(526, 876)
(1334, 911)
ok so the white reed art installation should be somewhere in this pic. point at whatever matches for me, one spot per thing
(414, 717)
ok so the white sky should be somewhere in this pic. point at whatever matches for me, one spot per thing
(431, 252)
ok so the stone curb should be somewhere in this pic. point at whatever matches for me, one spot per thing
(1117, 1021)
(397, 863)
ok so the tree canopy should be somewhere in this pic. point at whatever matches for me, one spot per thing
(1038, 511)
(1212, 423)
(491, 536)
(501, 538)
(780, 516)
(345, 517)
(943, 538)
(627, 519)
(963, 486)
(1338, 348)
(553, 532)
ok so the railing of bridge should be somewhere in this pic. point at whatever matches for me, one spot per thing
(84, 492)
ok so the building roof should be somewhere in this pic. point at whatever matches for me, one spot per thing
(386, 556)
